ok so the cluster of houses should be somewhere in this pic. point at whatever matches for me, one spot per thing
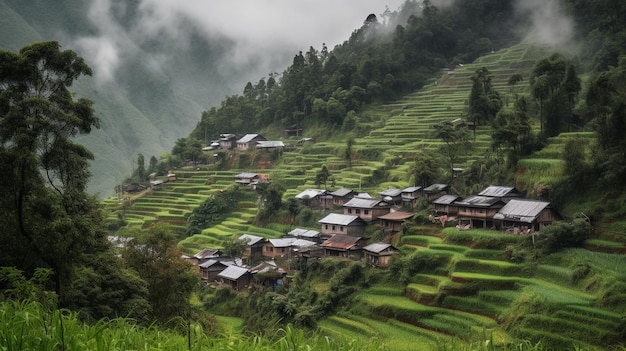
(342, 232)
(244, 143)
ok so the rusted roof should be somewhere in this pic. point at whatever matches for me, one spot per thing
(341, 241)
(397, 216)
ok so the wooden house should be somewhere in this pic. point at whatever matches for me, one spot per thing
(367, 209)
(392, 221)
(335, 223)
(478, 211)
(341, 245)
(316, 199)
(341, 196)
(436, 190)
(445, 205)
(227, 141)
(379, 254)
(210, 269)
(410, 195)
(392, 196)
(254, 247)
(267, 273)
(282, 247)
(523, 215)
(246, 178)
(235, 276)
(249, 141)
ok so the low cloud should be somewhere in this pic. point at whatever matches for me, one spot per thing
(550, 26)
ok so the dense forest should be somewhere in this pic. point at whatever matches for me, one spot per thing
(55, 247)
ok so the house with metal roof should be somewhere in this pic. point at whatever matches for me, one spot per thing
(379, 254)
(392, 221)
(410, 195)
(254, 245)
(502, 192)
(269, 144)
(246, 178)
(307, 234)
(477, 211)
(434, 191)
(444, 205)
(368, 209)
(336, 223)
(283, 246)
(341, 196)
(249, 141)
(391, 195)
(235, 276)
(227, 141)
(341, 245)
(523, 215)
(315, 198)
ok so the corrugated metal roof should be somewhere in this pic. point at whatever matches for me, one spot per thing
(310, 193)
(498, 191)
(233, 272)
(478, 201)
(377, 247)
(339, 219)
(251, 239)
(246, 175)
(341, 192)
(290, 242)
(206, 253)
(521, 210)
(360, 202)
(390, 192)
(341, 241)
(445, 199)
(249, 137)
(411, 189)
(304, 233)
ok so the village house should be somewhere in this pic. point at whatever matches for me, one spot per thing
(435, 190)
(379, 254)
(392, 221)
(292, 131)
(249, 141)
(269, 144)
(367, 209)
(444, 205)
(315, 199)
(523, 215)
(227, 141)
(211, 268)
(341, 245)
(335, 223)
(477, 211)
(307, 234)
(268, 273)
(410, 195)
(341, 196)
(203, 255)
(283, 247)
(391, 196)
(503, 193)
(236, 277)
(246, 178)
(254, 244)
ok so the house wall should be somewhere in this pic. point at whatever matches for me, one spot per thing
(331, 229)
(393, 226)
(366, 214)
(270, 251)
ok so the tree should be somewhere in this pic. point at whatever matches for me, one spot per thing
(455, 137)
(48, 218)
(141, 167)
(349, 154)
(484, 100)
(424, 170)
(322, 176)
(171, 280)
(234, 247)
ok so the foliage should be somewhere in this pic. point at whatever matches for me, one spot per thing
(170, 280)
(563, 234)
(213, 210)
(484, 101)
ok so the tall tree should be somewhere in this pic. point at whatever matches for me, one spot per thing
(48, 219)
(484, 101)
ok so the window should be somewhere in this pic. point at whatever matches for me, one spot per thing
(326, 226)
(334, 228)
(358, 211)
(366, 212)
(349, 211)
(341, 229)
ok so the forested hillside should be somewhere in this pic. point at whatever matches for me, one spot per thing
(463, 93)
